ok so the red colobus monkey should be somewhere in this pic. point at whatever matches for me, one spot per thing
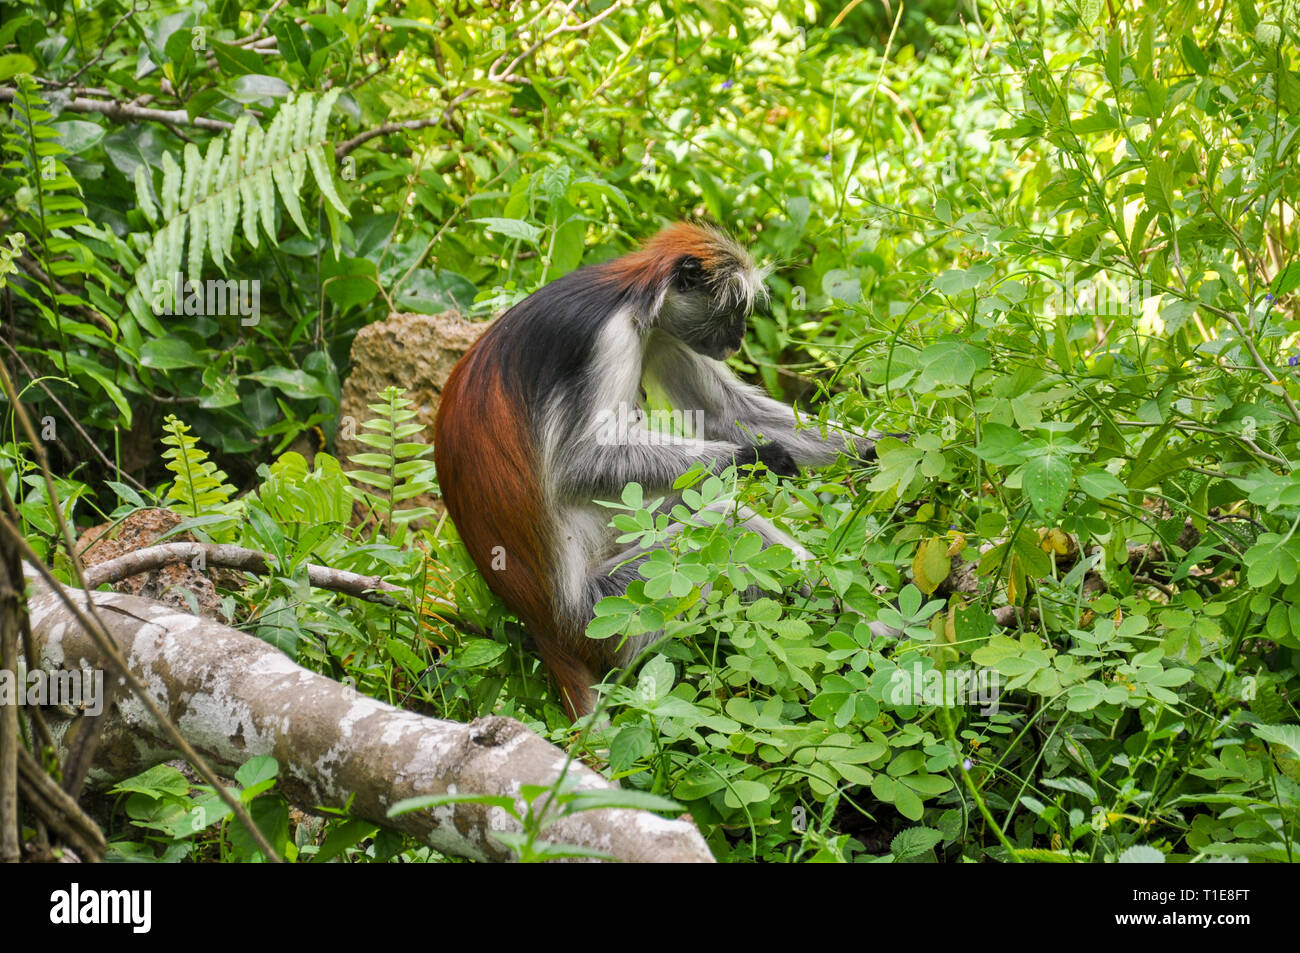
(521, 440)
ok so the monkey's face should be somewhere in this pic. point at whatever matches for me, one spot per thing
(706, 308)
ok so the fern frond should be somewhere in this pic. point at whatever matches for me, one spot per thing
(48, 211)
(206, 198)
(397, 470)
(199, 485)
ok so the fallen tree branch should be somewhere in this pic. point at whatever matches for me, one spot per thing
(239, 697)
(369, 588)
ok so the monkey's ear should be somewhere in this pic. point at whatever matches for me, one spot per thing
(689, 275)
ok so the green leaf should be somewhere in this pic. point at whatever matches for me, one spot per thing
(432, 292)
(348, 834)
(159, 781)
(1001, 445)
(1141, 854)
(293, 383)
(235, 60)
(256, 86)
(1287, 280)
(423, 802)
(957, 282)
(953, 361)
(477, 653)
(1286, 735)
(512, 228)
(914, 841)
(11, 64)
(1193, 55)
(1101, 484)
(1047, 482)
(170, 354)
(744, 792)
(631, 744)
(843, 286)
(891, 791)
(622, 798)
(103, 377)
(78, 135)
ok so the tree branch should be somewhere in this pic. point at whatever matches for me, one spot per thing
(128, 113)
(369, 588)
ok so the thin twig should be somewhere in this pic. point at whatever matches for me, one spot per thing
(59, 810)
(261, 27)
(343, 148)
(108, 38)
(1259, 361)
(370, 588)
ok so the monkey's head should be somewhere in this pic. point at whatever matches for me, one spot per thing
(704, 286)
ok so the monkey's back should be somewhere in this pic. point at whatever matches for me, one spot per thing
(486, 444)
(487, 469)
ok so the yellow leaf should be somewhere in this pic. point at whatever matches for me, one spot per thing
(1056, 540)
(930, 566)
(938, 626)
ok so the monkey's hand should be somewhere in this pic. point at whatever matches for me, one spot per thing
(867, 448)
(772, 455)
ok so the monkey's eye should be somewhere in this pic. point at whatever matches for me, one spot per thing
(690, 275)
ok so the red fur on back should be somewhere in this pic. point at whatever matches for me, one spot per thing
(488, 471)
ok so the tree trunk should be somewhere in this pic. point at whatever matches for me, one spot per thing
(234, 697)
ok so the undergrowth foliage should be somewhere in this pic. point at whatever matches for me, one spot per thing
(1056, 244)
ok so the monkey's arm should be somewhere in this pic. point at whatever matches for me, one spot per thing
(606, 450)
(736, 412)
